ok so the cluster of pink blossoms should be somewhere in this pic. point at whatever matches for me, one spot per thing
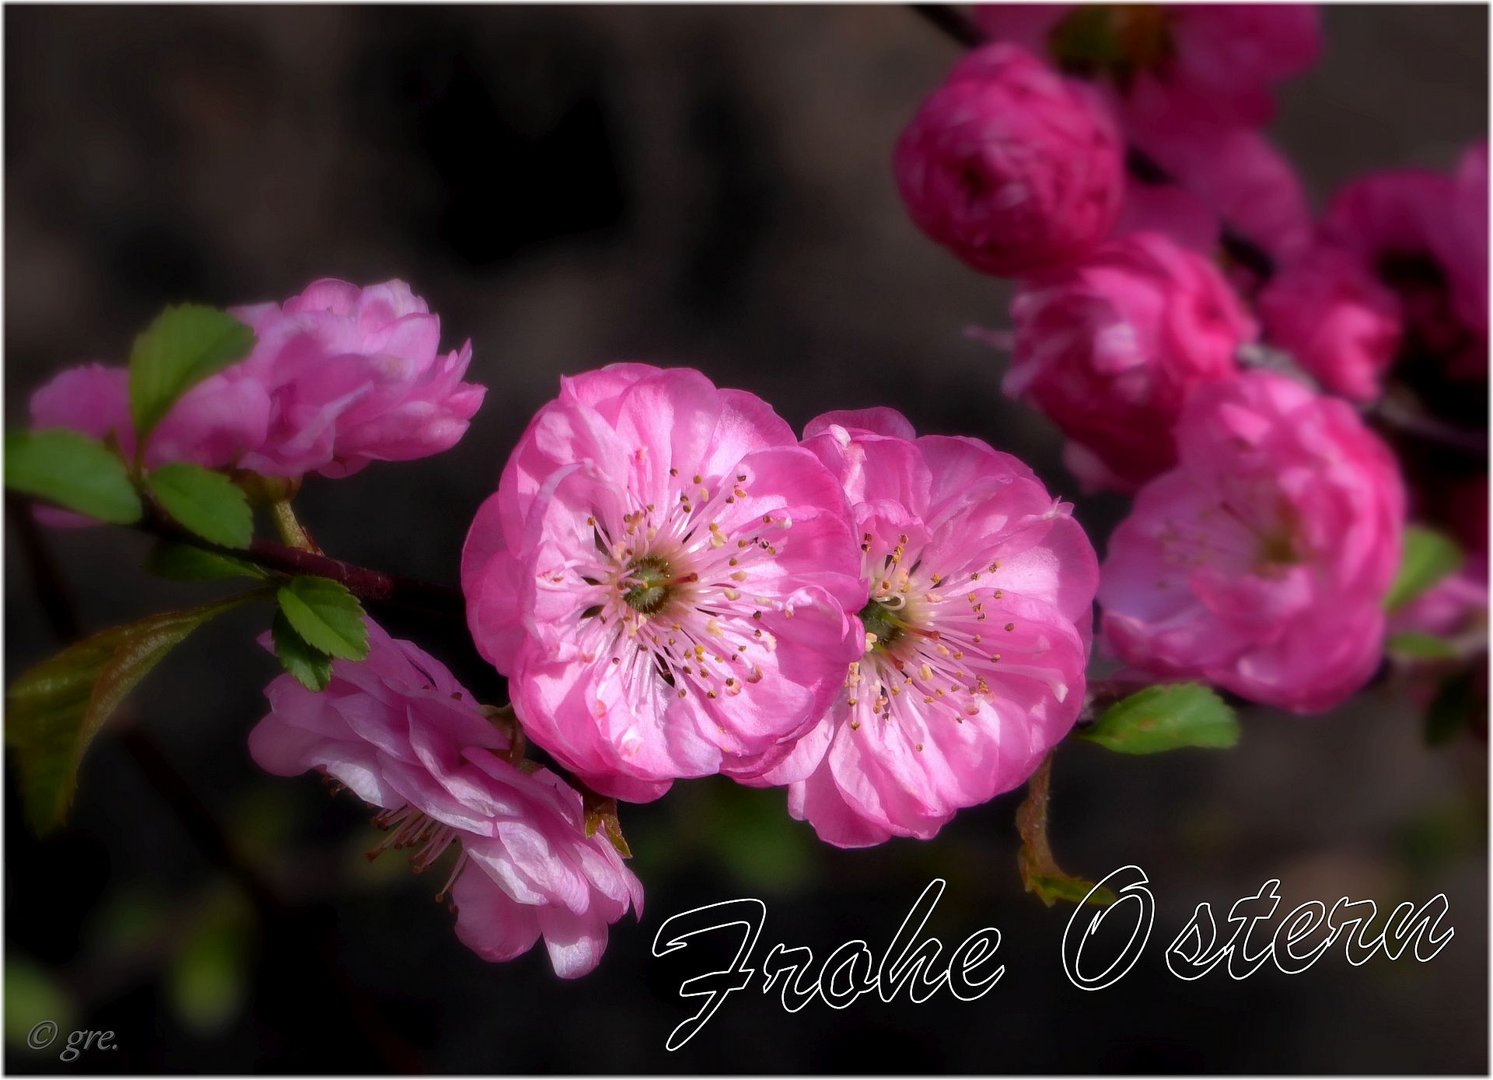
(339, 377)
(1267, 522)
(893, 628)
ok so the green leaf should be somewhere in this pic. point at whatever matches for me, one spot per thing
(1428, 557)
(310, 667)
(1413, 645)
(326, 615)
(73, 471)
(184, 562)
(205, 502)
(57, 707)
(1162, 718)
(183, 346)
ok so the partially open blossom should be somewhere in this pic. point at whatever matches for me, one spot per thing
(404, 736)
(356, 376)
(1010, 166)
(339, 376)
(1451, 606)
(1261, 562)
(1112, 347)
(1170, 63)
(668, 580)
(976, 634)
(1335, 318)
(213, 424)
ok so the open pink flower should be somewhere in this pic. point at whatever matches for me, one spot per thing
(1170, 63)
(668, 580)
(1261, 562)
(356, 376)
(403, 735)
(1112, 347)
(1336, 319)
(1010, 166)
(976, 633)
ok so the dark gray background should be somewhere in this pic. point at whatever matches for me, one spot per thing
(684, 185)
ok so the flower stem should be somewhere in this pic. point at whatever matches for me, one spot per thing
(291, 531)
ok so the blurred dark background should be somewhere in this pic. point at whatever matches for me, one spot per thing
(570, 186)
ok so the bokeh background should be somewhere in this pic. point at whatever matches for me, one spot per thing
(570, 186)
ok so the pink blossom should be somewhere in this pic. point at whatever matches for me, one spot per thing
(1111, 348)
(1452, 605)
(975, 640)
(1459, 239)
(1236, 177)
(214, 424)
(1422, 233)
(1262, 561)
(668, 580)
(404, 736)
(1335, 319)
(1010, 166)
(1170, 63)
(356, 376)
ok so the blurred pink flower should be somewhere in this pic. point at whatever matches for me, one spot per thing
(1111, 348)
(356, 375)
(976, 633)
(1261, 562)
(404, 736)
(1170, 63)
(668, 580)
(1424, 235)
(1450, 606)
(1010, 166)
(1234, 176)
(1335, 319)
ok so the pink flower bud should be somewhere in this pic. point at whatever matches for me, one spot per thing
(1010, 166)
(1111, 348)
(1262, 561)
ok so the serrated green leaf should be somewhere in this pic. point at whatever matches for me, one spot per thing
(183, 562)
(326, 615)
(73, 471)
(1161, 718)
(207, 503)
(56, 708)
(183, 346)
(1428, 556)
(1414, 645)
(307, 664)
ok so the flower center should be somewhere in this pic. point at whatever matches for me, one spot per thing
(882, 622)
(652, 577)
